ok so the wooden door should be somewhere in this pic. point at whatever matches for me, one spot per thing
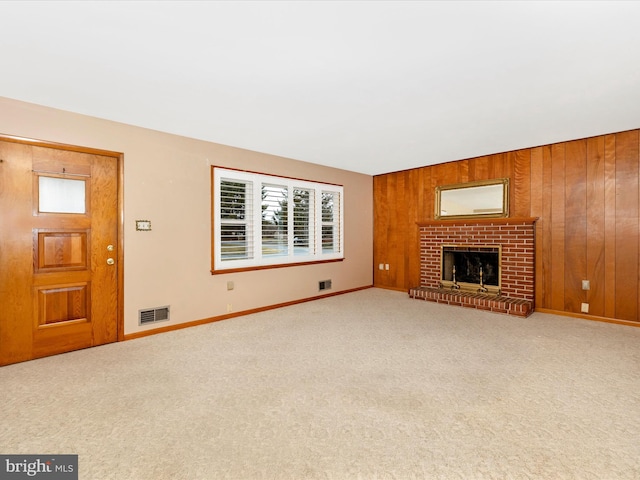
(59, 250)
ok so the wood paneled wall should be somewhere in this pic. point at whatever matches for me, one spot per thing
(586, 195)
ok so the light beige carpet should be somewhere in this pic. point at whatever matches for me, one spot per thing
(367, 385)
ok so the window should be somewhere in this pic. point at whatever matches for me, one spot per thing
(61, 195)
(261, 220)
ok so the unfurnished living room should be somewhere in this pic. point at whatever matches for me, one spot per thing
(319, 240)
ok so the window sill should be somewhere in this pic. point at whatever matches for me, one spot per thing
(277, 265)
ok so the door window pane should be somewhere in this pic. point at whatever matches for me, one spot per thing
(61, 195)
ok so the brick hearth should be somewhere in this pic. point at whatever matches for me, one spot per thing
(493, 303)
(515, 235)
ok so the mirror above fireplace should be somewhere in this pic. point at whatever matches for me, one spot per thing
(480, 199)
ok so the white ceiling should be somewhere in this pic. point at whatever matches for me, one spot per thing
(368, 86)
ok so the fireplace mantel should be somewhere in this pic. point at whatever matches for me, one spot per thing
(480, 221)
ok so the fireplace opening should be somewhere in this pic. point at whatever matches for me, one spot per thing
(471, 268)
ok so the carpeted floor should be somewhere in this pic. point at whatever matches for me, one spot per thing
(366, 385)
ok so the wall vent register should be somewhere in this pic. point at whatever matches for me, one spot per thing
(152, 315)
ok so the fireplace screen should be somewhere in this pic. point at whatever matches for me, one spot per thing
(471, 268)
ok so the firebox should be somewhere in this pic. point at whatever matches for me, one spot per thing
(471, 268)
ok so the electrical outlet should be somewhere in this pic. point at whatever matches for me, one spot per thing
(386, 266)
(586, 285)
(229, 307)
(381, 266)
(230, 286)
(584, 308)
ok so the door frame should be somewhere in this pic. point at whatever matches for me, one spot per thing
(119, 159)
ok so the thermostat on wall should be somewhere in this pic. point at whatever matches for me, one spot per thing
(143, 225)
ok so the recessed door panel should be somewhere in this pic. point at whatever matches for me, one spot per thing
(59, 250)
(65, 303)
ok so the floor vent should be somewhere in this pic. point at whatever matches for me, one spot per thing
(324, 285)
(151, 315)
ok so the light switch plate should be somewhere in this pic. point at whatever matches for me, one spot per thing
(143, 225)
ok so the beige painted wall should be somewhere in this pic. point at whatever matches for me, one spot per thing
(167, 181)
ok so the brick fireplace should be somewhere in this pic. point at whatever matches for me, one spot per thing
(513, 237)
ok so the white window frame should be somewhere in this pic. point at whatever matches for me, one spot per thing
(292, 256)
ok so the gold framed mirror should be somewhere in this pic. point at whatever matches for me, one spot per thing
(480, 199)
